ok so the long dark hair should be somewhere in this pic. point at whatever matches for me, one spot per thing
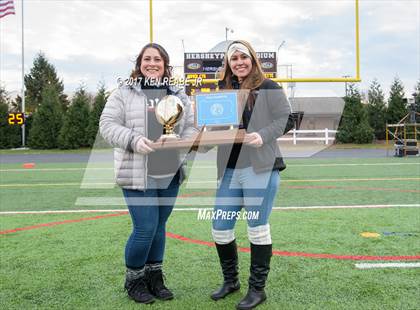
(167, 69)
(255, 77)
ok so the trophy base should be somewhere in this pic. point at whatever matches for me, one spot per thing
(204, 138)
(170, 136)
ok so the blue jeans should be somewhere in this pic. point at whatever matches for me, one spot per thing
(245, 188)
(149, 210)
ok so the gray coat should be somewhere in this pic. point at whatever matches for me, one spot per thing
(269, 119)
(124, 121)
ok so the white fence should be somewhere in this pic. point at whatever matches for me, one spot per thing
(295, 135)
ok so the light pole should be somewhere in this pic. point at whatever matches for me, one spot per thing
(288, 69)
(413, 109)
(277, 55)
(278, 49)
(226, 32)
(183, 45)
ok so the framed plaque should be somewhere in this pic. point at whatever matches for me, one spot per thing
(217, 109)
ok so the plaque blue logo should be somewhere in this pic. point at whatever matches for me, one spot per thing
(217, 109)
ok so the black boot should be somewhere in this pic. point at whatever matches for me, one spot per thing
(260, 266)
(228, 256)
(156, 285)
(136, 287)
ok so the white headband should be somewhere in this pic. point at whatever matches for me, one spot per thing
(237, 47)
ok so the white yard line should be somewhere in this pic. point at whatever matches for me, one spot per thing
(51, 169)
(351, 180)
(352, 165)
(387, 265)
(197, 209)
(63, 211)
(332, 165)
(54, 184)
(213, 181)
(212, 167)
(349, 207)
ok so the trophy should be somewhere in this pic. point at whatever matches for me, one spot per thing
(212, 111)
(168, 112)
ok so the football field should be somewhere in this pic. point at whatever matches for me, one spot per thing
(336, 226)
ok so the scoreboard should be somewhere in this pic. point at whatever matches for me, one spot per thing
(207, 65)
(16, 118)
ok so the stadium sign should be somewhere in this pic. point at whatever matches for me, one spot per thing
(206, 65)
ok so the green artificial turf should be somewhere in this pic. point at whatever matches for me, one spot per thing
(80, 265)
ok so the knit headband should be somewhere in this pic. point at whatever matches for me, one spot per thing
(237, 47)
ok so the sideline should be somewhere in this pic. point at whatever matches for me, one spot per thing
(198, 209)
(209, 167)
(11, 185)
(387, 265)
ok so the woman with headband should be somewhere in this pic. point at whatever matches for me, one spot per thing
(248, 173)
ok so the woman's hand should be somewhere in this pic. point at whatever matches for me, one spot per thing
(254, 138)
(144, 146)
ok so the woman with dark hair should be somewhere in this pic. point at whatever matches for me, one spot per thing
(149, 179)
(248, 173)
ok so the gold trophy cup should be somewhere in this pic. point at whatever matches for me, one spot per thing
(168, 112)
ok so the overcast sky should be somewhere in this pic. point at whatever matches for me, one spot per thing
(89, 41)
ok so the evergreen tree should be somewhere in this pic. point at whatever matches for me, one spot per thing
(354, 125)
(4, 97)
(47, 121)
(93, 128)
(396, 106)
(9, 134)
(16, 105)
(73, 133)
(41, 75)
(417, 97)
(376, 110)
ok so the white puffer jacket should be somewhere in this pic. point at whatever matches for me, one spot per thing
(124, 121)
